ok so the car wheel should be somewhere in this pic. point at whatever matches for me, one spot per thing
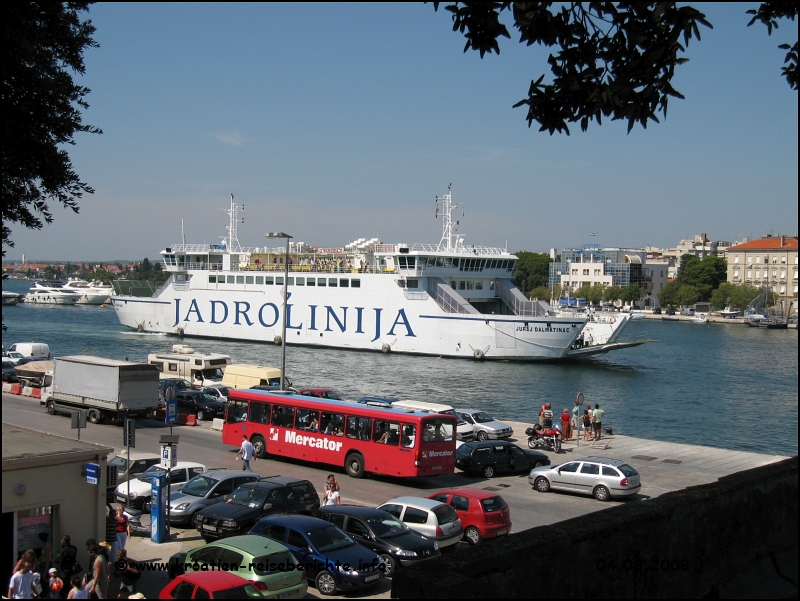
(325, 583)
(93, 416)
(601, 493)
(537, 464)
(146, 507)
(201, 415)
(488, 471)
(473, 536)
(542, 484)
(259, 447)
(51, 407)
(390, 565)
(482, 435)
(354, 465)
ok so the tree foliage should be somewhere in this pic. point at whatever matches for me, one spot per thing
(613, 60)
(532, 270)
(734, 295)
(43, 45)
(705, 275)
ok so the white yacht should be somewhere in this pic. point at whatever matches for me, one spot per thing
(51, 295)
(10, 298)
(94, 293)
(448, 299)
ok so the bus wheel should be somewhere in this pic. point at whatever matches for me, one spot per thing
(259, 447)
(354, 465)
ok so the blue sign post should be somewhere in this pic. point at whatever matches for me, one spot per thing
(172, 411)
(92, 473)
(158, 519)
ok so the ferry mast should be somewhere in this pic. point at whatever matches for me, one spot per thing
(450, 240)
(232, 241)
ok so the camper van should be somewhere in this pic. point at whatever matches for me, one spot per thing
(464, 430)
(31, 349)
(201, 369)
(243, 375)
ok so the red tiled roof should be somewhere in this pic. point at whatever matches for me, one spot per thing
(772, 243)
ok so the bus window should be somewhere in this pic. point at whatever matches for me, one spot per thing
(237, 412)
(386, 432)
(308, 419)
(332, 423)
(259, 412)
(438, 430)
(283, 416)
(358, 427)
(409, 435)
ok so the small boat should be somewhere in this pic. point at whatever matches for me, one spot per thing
(637, 316)
(728, 313)
(699, 318)
(10, 298)
(48, 295)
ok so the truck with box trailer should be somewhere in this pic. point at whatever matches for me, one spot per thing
(107, 389)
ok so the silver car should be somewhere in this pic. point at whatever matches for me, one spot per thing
(602, 478)
(204, 490)
(432, 519)
(484, 425)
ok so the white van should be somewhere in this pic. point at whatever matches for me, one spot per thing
(31, 349)
(244, 375)
(464, 431)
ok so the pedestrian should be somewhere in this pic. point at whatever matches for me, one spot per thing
(65, 560)
(247, 453)
(332, 495)
(111, 535)
(597, 418)
(565, 429)
(78, 590)
(100, 574)
(21, 584)
(129, 573)
(30, 558)
(587, 424)
(574, 422)
(54, 584)
(547, 414)
(541, 414)
(123, 529)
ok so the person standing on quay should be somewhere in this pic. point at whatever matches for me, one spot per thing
(597, 418)
(566, 431)
(247, 453)
(587, 424)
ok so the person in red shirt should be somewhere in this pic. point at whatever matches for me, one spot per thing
(566, 428)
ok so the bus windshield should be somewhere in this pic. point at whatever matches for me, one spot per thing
(438, 430)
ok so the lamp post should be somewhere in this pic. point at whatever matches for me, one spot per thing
(285, 298)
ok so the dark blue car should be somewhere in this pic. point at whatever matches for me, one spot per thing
(332, 559)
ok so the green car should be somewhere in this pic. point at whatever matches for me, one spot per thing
(263, 561)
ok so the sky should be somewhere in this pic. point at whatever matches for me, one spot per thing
(334, 122)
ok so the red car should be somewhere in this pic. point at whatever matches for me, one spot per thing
(483, 514)
(210, 585)
(323, 393)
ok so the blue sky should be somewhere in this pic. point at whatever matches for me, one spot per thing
(335, 122)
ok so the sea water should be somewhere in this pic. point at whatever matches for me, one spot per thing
(720, 385)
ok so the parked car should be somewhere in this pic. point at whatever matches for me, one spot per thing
(210, 585)
(657, 311)
(687, 311)
(13, 356)
(200, 404)
(483, 514)
(432, 519)
(141, 487)
(250, 502)
(132, 467)
(203, 491)
(491, 459)
(382, 533)
(258, 560)
(9, 371)
(37, 350)
(177, 384)
(484, 425)
(669, 311)
(322, 393)
(334, 561)
(603, 478)
(219, 393)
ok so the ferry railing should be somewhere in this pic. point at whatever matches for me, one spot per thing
(448, 299)
(516, 301)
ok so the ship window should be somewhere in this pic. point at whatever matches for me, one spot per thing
(301, 281)
(411, 262)
(278, 280)
(343, 283)
(332, 282)
(439, 262)
(291, 281)
(478, 285)
(268, 280)
(510, 266)
(470, 285)
(248, 279)
(322, 282)
(491, 264)
(240, 279)
(212, 279)
(401, 261)
(230, 279)
(412, 284)
(455, 262)
(462, 285)
(355, 283)
(312, 282)
(461, 265)
(452, 284)
(259, 280)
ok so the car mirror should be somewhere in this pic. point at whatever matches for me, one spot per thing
(267, 505)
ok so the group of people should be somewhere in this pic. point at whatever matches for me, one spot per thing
(332, 491)
(591, 420)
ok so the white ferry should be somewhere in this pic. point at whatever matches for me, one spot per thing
(448, 299)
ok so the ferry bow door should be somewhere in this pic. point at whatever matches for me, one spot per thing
(505, 335)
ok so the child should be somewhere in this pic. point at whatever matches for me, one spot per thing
(79, 591)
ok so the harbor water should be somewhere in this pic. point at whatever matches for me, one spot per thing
(718, 385)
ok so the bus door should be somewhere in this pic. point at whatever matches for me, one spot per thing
(394, 460)
(437, 449)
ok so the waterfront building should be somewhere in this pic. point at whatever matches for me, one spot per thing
(590, 265)
(769, 261)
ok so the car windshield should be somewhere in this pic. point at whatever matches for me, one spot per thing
(151, 471)
(329, 539)
(628, 470)
(203, 398)
(330, 395)
(386, 527)
(482, 418)
(247, 591)
(199, 486)
(223, 390)
(119, 462)
(445, 514)
(249, 497)
(459, 420)
(494, 504)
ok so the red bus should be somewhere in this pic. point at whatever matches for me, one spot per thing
(361, 438)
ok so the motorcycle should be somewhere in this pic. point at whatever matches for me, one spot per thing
(135, 520)
(539, 437)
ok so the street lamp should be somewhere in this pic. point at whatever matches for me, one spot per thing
(285, 297)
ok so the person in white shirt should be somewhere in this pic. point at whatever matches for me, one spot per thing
(21, 585)
(247, 453)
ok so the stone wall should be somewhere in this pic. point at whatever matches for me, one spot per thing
(733, 538)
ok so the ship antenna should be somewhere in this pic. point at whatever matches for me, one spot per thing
(447, 221)
(232, 241)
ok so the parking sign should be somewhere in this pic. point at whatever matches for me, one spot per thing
(172, 411)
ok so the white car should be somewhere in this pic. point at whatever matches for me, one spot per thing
(141, 487)
(220, 393)
(484, 425)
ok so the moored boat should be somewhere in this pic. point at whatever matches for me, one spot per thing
(94, 293)
(50, 295)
